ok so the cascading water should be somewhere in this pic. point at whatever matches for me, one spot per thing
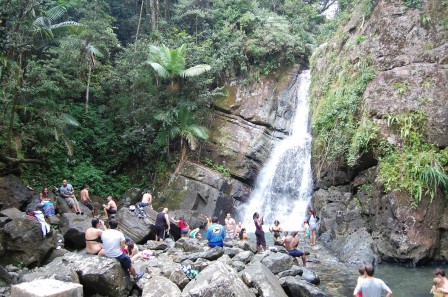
(284, 186)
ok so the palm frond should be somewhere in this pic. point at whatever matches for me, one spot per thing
(68, 27)
(161, 71)
(198, 131)
(69, 120)
(195, 70)
(55, 13)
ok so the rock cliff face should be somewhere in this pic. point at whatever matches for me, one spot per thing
(362, 221)
(246, 124)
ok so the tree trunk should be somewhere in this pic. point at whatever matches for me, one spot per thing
(138, 25)
(88, 87)
(182, 158)
(154, 7)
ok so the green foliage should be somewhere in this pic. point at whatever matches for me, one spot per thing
(401, 87)
(221, 168)
(417, 4)
(362, 139)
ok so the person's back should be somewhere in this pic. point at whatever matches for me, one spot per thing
(372, 287)
(216, 233)
(112, 242)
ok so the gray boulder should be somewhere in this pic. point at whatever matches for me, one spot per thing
(246, 245)
(278, 262)
(295, 286)
(12, 213)
(293, 271)
(231, 251)
(53, 288)
(13, 193)
(73, 227)
(210, 254)
(310, 277)
(22, 242)
(261, 278)
(244, 257)
(238, 265)
(98, 275)
(159, 286)
(218, 280)
(156, 245)
(138, 229)
(189, 245)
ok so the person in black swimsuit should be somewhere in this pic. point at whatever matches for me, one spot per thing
(93, 238)
(277, 230)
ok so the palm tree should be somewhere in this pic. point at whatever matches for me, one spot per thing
(88, 52)
(181, 124)
(169, 63)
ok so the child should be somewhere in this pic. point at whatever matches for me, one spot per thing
(306, 227)
(361, 277)
(437, 288)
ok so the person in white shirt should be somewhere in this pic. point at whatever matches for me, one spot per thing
(113, 243)
(371, 286)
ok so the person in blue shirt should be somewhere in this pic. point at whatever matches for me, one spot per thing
(215, 233)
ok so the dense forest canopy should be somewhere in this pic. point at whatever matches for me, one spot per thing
(115, 93)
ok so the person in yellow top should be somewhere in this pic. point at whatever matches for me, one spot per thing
(438, 288)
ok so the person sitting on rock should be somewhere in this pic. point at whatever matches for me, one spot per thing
(183, 226)
(195, 233)
(113, 242)
(146, 199)
(291, 243)
(243, 234)
(110, 209)
(46, 204)
(216, 233)
(162, 224)
(85, 199)
(68, 193)
(93, 238)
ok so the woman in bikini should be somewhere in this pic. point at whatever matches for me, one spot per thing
(277, 230)
(93, 238)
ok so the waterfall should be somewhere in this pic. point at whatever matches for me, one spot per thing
(284, 185)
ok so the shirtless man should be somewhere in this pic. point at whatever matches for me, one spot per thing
(238, 228)
(440, 273)
(93, 238)
(146, 199)
(110, 208)
(230, 227)
(291, 243)
(85, 199)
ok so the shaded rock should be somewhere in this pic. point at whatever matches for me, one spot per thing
(238, 265)
(159, 286)
(258, 276)
(310, 276)
(98, 275)
(232, 252)
(23, 242)
(62, 207)
(156, 245)
(244, 257)
(47, 288)
(293, 271)
(73, 227)
(138, 229)
(211, 254)
(200, 264)
(13, 193)
(12, 213)
(189, 245)
(277, 262)
(179, 278)
(295, 286)
(247, 246)
(218, 280)
(132, 196)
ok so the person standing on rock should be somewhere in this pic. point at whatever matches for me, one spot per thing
(312, 222)
(290, 243)
(146, 199)
(110, 208)
(259, 233)
(371, 286)
(113, 243)
(230, 227)
(93, 238)
(183, 226)
(162, 224)
(68, 193)
(85, 199)
(216, 233)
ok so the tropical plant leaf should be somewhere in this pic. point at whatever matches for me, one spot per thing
(199, 131)
(55, 13)
(161, 71)
(195, 70)
(68, 119)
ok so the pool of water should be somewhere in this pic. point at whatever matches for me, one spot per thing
(339, 279)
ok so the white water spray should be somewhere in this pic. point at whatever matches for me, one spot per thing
(284, 186)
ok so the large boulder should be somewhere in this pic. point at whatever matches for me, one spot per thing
(73, 227)
(295, 286)
(22, 241)
(189, 245)
(258, 276)
(210, 254)
(13, 193)
(218, 280)
(98, 275)
(278, 262)
(159, 286)
(47, 288)
(244, 257)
